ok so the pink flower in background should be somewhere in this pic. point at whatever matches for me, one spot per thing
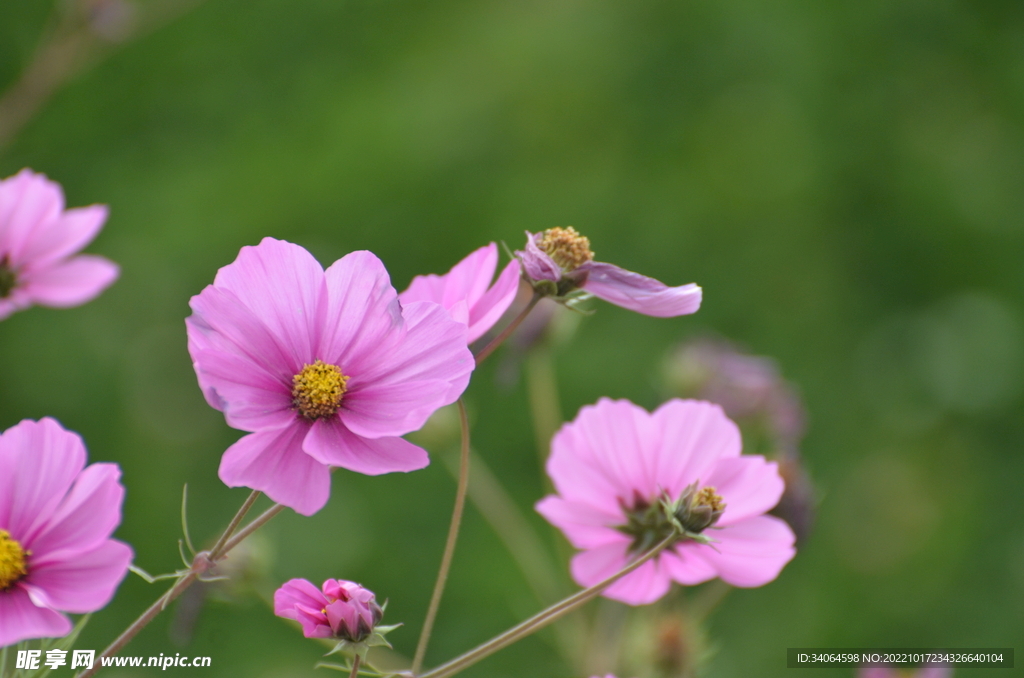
(38, 241)
(324, 368)
(341, 609)
(563, 258)
(615, 463)
(56, 518)
(887, 672)
(464, 292)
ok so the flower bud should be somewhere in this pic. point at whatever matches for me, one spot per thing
(341, 609)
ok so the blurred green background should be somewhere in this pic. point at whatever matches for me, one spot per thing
(845, 180)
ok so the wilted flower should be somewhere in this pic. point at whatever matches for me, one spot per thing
(38, 241)
(56, 518)
(560, 264)
(628, 479)
(325, 368)
(464, 292)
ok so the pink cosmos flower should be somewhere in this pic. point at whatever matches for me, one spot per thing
(324, 368)
(341, 609)
(561, 259)
(464, 293)
(38, 239)
(617, 467)
(887, 672)
(56, 518)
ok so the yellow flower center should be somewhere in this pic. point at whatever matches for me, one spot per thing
(568, 248)
(12, 561)
(709, 497)
(317, 390)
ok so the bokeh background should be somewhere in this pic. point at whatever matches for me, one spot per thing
(845, 180)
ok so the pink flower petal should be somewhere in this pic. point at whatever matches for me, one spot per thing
(466, 281)
(72, 282)
(433, 348)
(690, 437)
(60, 238)
(329, 442)
(749, 485)
(380, 410)
(274, 463)
(220, 321)
(536, 262)
(640, 587)
(684, 565)
(639, 293)
(84, 520)
(363, 311)
(38, 463)
(584, 525)
(297, 592)
(27, 200)
(84, 582)
(21, 620)
(251, 398)
(643, 586)
(750, 553)
(283, 285)
(493, 304)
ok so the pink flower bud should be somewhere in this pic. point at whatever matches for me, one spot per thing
(340, 609)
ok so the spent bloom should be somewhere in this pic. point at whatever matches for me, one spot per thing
(561, 264)
(56, 518)
(464, 291)
(323, 368)
(628, 479)
(38, 243)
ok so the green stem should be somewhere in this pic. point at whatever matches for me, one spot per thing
(449, 547)
(355, 667)
(541, 619)
(200, 564)
(509, 329)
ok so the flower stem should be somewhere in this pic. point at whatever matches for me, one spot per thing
(355, 667)
(509, 329)
(541, 619)
(202, 562)
(449, 547)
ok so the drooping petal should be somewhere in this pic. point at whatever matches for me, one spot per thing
(536, 262)
(492, 305)
(72, 282)
(690, 437)
(274, 463)
(85, 519)
(283, 285)
(750, 486)
(20, 619)
(363, 311)
(638, 292)
(82, 583)
(752, 552)
(38, 463)
(584, 525)
(329, 442)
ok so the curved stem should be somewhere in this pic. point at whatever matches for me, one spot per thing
(202, 562)
(449, 547)
(541, 619)
(509, 329)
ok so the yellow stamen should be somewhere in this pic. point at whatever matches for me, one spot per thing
(708, 497)
(12, 560)
(568, 248)
(318, 389)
